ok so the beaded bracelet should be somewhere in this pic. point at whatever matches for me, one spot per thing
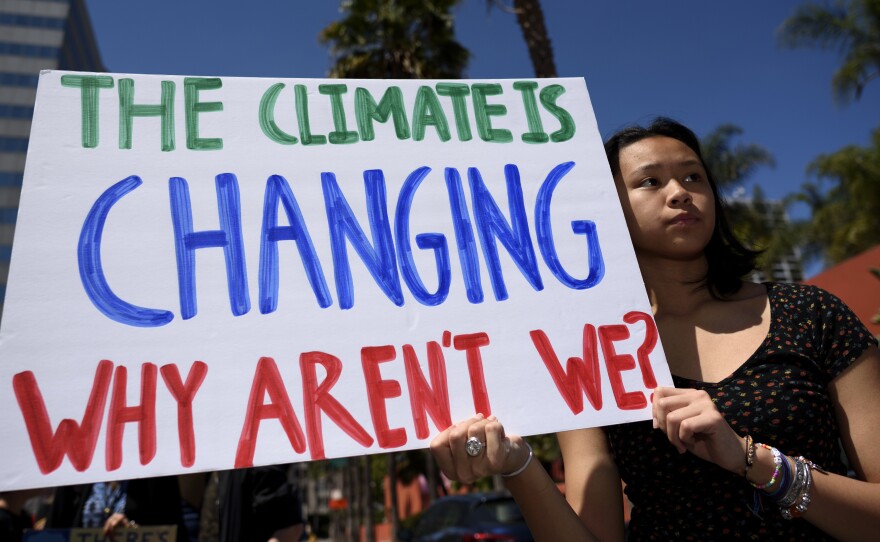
(521, 469)
(787, 481)
(777, 460)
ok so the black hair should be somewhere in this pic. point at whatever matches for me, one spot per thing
(728, 258)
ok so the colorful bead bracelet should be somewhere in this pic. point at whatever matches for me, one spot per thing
(777, 460)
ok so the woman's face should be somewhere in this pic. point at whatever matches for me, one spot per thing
(666, 198)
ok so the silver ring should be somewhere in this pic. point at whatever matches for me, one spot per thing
(473, 446)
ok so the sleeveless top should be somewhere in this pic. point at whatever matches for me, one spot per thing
(780, 397)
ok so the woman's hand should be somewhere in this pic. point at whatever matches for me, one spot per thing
(692, 423)
(499, 454)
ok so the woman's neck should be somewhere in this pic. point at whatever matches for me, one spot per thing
(675, 287)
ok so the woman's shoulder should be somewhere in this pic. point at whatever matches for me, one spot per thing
(795, 306)
(817, 319)
(795, 295)
(806, 297)
(791, 288)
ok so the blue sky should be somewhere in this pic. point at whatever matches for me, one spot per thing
(704, 63)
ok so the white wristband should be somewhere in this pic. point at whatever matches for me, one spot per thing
(526, 464)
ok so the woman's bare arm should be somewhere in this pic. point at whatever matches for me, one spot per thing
(548, 515)
(592, 482)
(845, 508)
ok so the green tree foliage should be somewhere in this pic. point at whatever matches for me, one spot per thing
(846, 215)
(731, 163)
(762, 224)
(397, 39)
(850, 26)
(756, 221)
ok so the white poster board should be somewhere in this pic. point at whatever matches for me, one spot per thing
(212, 273)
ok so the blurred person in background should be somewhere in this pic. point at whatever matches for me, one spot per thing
(259, 504)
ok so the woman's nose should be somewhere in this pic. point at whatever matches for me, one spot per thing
(678, 195)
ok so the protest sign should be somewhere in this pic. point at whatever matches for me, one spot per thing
(167, 533)
(212, 273)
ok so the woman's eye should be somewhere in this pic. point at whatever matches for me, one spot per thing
(693, 178)
(648, 182)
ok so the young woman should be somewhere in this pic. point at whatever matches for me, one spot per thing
(770, 380)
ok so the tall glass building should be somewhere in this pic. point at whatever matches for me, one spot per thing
(34, 35)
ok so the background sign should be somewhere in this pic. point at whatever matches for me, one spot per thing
(213, 273)
(138, 534)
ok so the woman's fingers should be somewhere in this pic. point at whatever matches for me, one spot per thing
(490, 453)
(674, 423)
(460, 432)
(666, 401)
(682, 413)
(449, 445)
(477, 464)
(442, 452)
(693, 423)
(701, 423)
(497, 446)
(662, 401)
(450, 448)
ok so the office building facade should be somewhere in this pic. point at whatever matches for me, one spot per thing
(35, 35)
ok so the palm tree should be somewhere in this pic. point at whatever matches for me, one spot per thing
(396, 39)
(763, 225)
(393, 39)
(845, 216)
(530, 18)
(731, 163)
(812, 195)
(852, 27)
(756, 220)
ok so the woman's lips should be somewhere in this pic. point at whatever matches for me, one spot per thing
(684, 219)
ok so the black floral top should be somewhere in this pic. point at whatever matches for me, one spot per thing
(780, 397)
